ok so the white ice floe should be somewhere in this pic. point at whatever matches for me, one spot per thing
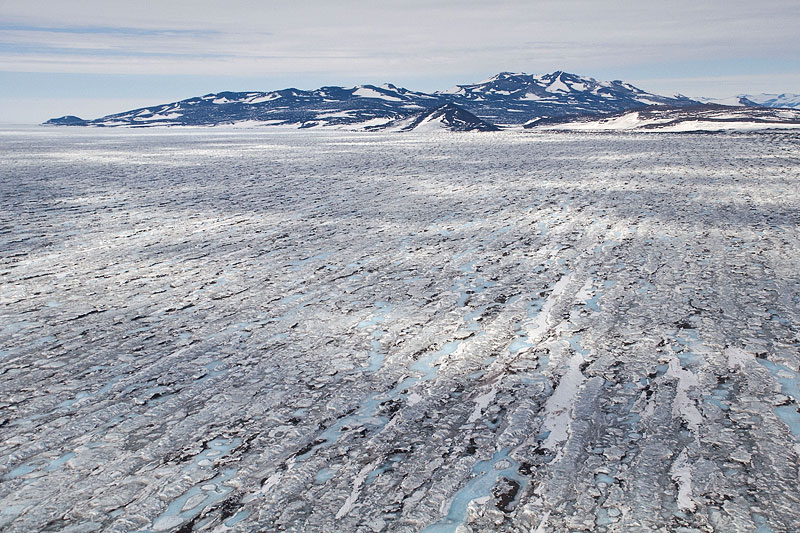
(684, 405)
(681, 473)
(481, 403)
(358, 482)
(737, 358)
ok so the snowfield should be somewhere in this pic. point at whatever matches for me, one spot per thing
(271, 330)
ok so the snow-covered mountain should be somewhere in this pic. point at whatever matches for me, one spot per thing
(784, 100)
(326, 106)
(507, 98)
(706, 117)
(449, 117)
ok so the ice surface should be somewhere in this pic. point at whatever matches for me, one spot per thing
(218, 329)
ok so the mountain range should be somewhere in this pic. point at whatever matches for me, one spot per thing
(785, 100)
(705, 117)
(506, 99)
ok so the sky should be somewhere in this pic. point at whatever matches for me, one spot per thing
(91, 58)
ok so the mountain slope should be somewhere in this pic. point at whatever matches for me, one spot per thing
(326, 106)
(67, 120)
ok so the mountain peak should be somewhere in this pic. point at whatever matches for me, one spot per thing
(448, 117)
(560, 93)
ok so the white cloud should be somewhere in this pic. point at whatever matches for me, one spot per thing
(660, 45)
(722, 86)
(412, 37)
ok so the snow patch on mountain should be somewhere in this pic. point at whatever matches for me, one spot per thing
(366, 92)
(558, 86)
(263, 98)
(733, 101)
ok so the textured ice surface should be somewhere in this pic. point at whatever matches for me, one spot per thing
(295, 331)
